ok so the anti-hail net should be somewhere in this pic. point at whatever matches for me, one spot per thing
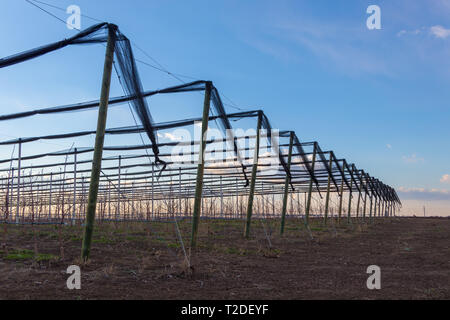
(221, 179)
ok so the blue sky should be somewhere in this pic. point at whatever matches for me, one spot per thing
(379, 98)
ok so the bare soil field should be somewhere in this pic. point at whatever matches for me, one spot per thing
(133, 260)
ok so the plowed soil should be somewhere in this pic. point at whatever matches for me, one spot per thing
(146, 261)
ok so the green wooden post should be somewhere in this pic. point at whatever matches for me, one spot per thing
(365, 206)
(286, 184)
(308, 202)
(341, 198)
(370, 210)
(327, 198)
(358, 203)
(99, 139)
(201, 166)
(350, 197)
(379, 207)
(253, 179)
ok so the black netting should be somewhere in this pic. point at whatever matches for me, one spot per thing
(137, 98)
(82, 37)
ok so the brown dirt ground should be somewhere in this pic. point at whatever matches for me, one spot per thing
(145, 261)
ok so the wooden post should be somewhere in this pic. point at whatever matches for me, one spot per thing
(201, 166)
(379, 207)
(179, 192)
(341, 197)
(350, 197)
(109, 200)
(358, 202)
(19, 165)
(50, 197)
(237, 200)
(99, 140)
(308, 202)
(74, 186)
(273, 201)
(11, 191)
(327, 198)
(221, 199)
(153, 191)
(253, 178)
(262, 199)
(365, 206)
(286, 183)
(119, 192)
(370, 210)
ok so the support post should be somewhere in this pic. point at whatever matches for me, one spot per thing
(119, 192)
(358, 203)
(221, 198)
(201, 166)
(50, 197)
(99, 140)
(365, 198)
(179, 192)
(341, 197)
(11, 196)
(19, 168)
(370, 210)
(262, 199)
(74, 186)
(153, 191)
(273, 201)
(253, 179)
(237, 200)
(327, 198)
(308, 202)
(379, 207)
(109, 200)
(350, 197)
(286, 183)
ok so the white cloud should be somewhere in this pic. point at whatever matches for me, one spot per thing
(388, 146)
(170, 136)
(445, 178)
(440, 32)
(412, 32)
(423, 194)
(413, 159)
(436, 31)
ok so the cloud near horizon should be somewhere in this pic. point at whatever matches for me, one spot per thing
(423, 194)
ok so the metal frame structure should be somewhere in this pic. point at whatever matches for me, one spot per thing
(153, 186)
